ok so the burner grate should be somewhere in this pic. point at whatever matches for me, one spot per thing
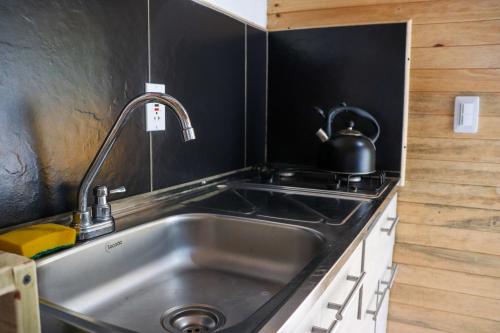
(364, 185)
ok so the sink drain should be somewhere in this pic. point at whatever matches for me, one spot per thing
(192, 319)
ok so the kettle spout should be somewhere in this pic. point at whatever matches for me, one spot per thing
(321, 134)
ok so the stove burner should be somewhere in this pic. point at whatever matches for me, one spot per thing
(371, 185)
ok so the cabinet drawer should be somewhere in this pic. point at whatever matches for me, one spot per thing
(338, 304)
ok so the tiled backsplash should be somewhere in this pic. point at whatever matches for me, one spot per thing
(68, 67)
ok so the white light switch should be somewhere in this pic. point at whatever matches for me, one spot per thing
(466, 114)
(155, 112)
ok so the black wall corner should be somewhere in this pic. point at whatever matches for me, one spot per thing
(256, 95)
(200, 55)
(66, 70)
(363, 66)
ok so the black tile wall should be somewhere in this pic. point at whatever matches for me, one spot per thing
(256, 95)
(200, 55)
(68, 67)
(66, 70)
(363, 66)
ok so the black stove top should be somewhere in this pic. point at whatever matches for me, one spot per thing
(368, 186)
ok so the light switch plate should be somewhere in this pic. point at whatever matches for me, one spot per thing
(466, 114)
(155, 112)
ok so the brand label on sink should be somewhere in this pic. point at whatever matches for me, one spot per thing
(108, 247)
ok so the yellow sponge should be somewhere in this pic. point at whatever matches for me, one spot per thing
(37, 240)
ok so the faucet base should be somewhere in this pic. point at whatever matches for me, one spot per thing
(85, 229)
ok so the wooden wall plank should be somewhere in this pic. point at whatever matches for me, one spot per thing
(440, 126)
(453, 260)
(465, 283)
(458, 303)
(281, 6)
(466, 173)
(449, 238)
(451, 194)
(485, 56)
(443, 103)
(438, 11)
(486, 220)
(472, 80)
(398, 327)
(469, 150)
(440, 320)
(456, 33)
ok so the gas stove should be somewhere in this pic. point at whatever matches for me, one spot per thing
(361, 186)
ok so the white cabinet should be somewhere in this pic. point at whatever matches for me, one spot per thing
(357, 298)
(337, 307)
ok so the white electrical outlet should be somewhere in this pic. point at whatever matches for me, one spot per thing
(155, 112)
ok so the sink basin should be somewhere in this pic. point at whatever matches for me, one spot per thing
(185, 273)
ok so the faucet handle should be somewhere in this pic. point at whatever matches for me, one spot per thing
(120, 189)
(101, 193)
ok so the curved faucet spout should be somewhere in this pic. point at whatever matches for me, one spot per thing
(81, 217)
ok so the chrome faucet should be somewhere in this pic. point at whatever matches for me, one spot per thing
(102, 222)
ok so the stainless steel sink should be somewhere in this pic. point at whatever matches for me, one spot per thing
(186, 273)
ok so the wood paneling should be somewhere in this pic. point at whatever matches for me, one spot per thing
(467, 173)
(398, 327)
(453, 260)
(448, 240)
(471, 150)
(281, 6)
(458, 33)
(455, 239)
(487, 56)
(440, 320)
(451, 194)
(487, 220)
(468, 305)
(465, 283)
(472, 80)
(438, 126)
(443, 103)
(420, 12)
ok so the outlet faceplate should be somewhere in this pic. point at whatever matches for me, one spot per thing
(155, 112)
(466, 114)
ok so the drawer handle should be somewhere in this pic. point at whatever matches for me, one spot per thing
(341, 307)
(395, 221)
(316, 329)
(389, 284)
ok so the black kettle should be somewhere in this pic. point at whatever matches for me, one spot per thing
(347, 151)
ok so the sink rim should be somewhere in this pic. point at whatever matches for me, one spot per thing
(78, 247)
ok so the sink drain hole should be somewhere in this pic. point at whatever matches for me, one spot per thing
(192, 319)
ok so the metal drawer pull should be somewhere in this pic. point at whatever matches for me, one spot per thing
(395, 221)
(341, 307)
(389, 283)
(316, 329)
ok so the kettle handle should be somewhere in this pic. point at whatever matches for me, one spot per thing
(360, 112)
